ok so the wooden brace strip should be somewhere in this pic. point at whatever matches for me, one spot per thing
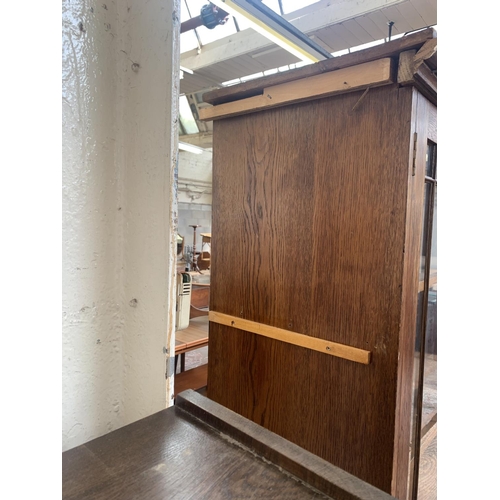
(298, 339)
(412, 70)
(372, 74)
(427, 51)
(412, 63)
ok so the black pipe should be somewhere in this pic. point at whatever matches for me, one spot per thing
(390, 24)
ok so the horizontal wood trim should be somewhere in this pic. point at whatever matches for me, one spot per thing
(426, 83)
(255, 87)
(370, 74)
(194, 379)
(301, 464)
(298, 339)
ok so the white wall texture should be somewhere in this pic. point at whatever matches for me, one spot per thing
(195, 177)
(195, 195)
(120, 93)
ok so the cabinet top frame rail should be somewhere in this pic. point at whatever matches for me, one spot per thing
(412, 41)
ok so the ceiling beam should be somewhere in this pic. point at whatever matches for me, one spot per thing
(247, 41)
(195, 109)
(202, 140)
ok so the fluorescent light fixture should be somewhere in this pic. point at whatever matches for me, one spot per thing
(189, 147)
(274, 27)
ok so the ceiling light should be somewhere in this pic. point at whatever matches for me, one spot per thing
(189, 147)
(274, 27)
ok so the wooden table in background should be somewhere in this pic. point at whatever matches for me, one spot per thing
(195, 336)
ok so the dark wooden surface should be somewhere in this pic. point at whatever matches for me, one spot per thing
(200, 296)
(255, 87)
(195, 378)
(289, 457)
(176, 454)
(308, 234)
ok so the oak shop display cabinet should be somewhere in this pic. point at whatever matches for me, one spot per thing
(323, 271)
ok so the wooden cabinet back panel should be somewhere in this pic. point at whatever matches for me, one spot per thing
(308, 231)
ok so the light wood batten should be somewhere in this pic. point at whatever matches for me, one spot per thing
(369, 74)
(298, 339)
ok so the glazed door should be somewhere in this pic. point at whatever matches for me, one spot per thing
(423, 445)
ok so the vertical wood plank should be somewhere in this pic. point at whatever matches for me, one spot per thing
(424, 125)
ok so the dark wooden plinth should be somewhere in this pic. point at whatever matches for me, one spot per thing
(201, 450)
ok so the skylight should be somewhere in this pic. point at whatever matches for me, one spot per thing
(187, 121)
(195, 39)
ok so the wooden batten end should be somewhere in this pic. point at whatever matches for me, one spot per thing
(324, 346)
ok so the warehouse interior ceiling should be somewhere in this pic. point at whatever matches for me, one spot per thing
(234, 52)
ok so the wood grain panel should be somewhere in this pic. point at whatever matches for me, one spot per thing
(308, 234)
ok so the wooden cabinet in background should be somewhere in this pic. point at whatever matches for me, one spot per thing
(319, 190)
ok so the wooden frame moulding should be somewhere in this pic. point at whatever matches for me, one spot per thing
(254, 87)
(369, 74)
(298, 339)
(414, 70)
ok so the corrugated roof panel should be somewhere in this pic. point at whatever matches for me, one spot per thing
(332, 38)
(195, 83)
(358, 31)
(381, 21)
(370, 27)
(427, 10)
(322, 43)
(411, 15)
(349, 37)
(401, 25)
(273, 58)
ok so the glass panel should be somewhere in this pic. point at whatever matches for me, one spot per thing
(433, 275)
(427, 482)
(430, 160)
(221, 31)
(417, 358)
(424, 386)
(273, 4)
(427, 194)
(293, 5)
(416, 370)
(429, 406)
(188, 41)
(186, 116)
